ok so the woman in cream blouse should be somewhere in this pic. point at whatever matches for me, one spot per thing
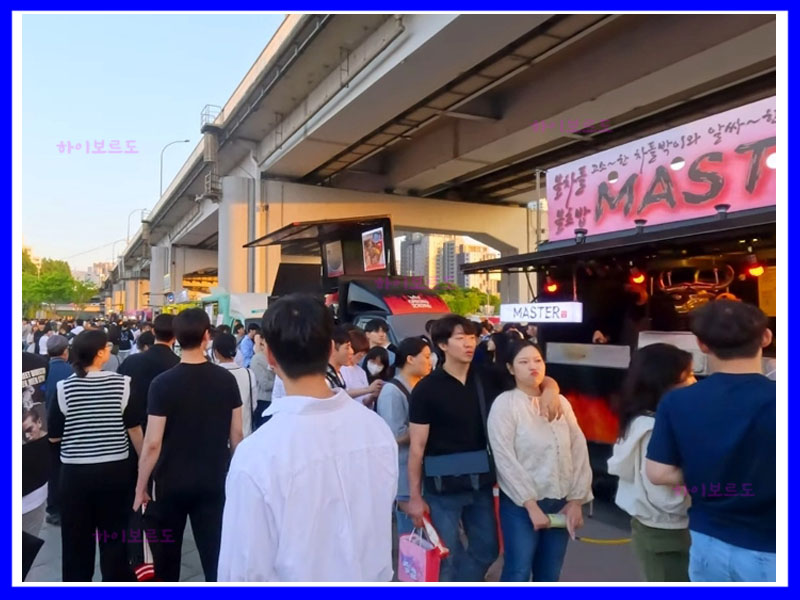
(542, 468)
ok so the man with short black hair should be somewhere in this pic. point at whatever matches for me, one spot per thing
(448, 451)
(319, 449)
(721, 432)
(194, 424)
(144, 366)
(246, 346)
(125, 341)
(144, 342)
(47, 333)
(378, 335)
(78, 327)
(238, 331)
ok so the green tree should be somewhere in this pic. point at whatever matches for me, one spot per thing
(59, 267)
(28, 265)
(56, 287)
(31, 294)
(52, 284)
(83, 292)
(465, 301)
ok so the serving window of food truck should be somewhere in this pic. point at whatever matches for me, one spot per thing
(640, 235)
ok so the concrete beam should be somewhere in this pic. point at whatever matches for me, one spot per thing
(433, 49)
(593, 80)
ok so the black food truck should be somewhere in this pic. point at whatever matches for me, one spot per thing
(356, 273)
(639, 235)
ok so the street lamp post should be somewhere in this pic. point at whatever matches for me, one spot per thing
(133, 212)
(161, 170)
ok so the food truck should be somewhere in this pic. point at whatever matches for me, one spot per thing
(356, 273)
(639, 235)
(225, 309)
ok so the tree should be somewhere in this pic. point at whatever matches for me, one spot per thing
(59, 267)
(56, 287)
(83, 292)
(28, 266)
(52, 284)
(31, 293)
(463, 301)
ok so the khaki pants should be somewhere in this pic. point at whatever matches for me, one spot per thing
(663, 553)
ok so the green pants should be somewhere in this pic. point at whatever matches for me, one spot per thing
(663, 553)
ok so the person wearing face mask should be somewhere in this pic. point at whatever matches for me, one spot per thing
(542, 468)
(355, 378)
(377, 364)
(659, 516)
(378, 335)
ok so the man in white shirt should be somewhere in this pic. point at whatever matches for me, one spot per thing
(48, 332)
(78, 327)
(310, 494)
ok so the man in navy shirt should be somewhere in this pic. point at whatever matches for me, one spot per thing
(717, 438)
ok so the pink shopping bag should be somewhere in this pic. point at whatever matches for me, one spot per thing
(418, 559)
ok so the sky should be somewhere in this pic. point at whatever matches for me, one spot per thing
(142, 79)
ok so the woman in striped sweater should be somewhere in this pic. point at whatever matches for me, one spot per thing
(91, 422)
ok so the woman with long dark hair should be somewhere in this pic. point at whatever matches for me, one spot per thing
(91, 422)
(659, 520)
(542, 468)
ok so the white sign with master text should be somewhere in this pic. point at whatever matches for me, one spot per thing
(542, 312)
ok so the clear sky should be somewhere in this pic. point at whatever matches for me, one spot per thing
(138, 78)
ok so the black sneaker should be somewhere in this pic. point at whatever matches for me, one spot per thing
(53, 519)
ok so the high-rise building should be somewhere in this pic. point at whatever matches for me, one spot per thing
(447, 267)
(438, 259)
(421, 255)
(471, 254)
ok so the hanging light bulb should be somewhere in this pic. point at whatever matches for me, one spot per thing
(754, 268)
(637, 276)
(550, 285)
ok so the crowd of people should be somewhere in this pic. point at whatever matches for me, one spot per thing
(292, 445)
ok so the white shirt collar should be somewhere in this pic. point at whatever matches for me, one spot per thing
(97, 373)
(305, 405)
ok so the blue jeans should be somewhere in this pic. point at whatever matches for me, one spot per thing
(526, 549)
(711, 559)
(404, 523)
(475, 510)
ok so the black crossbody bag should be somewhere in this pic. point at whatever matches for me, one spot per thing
(462, 471)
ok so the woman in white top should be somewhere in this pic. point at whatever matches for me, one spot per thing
(542, 468)
(224, 353)
(659, 513)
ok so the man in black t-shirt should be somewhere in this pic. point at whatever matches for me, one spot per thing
(194, 424)
(144, 367)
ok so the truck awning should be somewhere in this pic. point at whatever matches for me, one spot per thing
(311, 233)
(757, 222)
